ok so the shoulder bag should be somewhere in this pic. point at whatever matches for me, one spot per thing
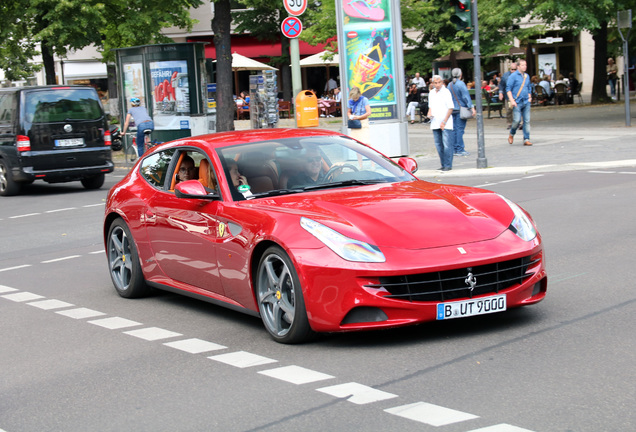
(354, 124)
(464, 113)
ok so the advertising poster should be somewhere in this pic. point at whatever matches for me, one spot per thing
(370, 61)
(170, 94)
(134, 83)
(547, 65)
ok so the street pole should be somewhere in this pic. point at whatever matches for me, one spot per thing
(624, 20)
(482, 162)
(294, 54)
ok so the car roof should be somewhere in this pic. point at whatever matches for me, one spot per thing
(225, 139)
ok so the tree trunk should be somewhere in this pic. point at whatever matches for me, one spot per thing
(599, 85)
(49, 64)
(225, 106)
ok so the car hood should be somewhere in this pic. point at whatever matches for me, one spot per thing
(412, 215)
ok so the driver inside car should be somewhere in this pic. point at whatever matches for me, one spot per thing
(310, 170)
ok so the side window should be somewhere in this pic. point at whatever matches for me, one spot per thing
(6, 107)
(155, 167)
(194, 165)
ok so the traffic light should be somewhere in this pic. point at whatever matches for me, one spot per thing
(462, 17)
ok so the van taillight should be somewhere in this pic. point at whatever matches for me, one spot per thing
(107, 139)
(24, 143)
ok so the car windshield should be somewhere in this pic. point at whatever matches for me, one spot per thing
(295, 165)
(62, 104)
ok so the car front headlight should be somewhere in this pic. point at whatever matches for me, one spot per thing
(347, 248)
(521, 224)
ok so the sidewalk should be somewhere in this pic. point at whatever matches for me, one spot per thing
(566, 137)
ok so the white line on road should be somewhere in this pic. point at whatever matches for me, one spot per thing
(81, 313)
(50, 304)
(358, 394)
(153, 333)
(15, 268)
(24, 215)
(115, 323)
(60, 259)
(22, 296)
(296, 374)
(430, 414)
(195, 346)
(242, 359)
(61, 210)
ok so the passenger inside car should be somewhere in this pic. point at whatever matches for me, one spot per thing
(186, 170)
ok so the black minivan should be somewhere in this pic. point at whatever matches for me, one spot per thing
(52, 133)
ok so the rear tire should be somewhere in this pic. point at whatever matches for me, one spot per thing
(94, 182)
(8, 186)
(123, 262)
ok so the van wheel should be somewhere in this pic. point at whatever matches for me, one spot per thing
(94, 182)
(8, 186)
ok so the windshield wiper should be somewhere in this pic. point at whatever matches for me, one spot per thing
(277, 192)
(343, 183)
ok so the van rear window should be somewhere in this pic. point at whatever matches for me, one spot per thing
(59, 105)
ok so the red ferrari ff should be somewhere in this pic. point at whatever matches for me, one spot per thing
(316, 232)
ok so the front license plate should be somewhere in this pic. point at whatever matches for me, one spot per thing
(466, 308)
(69, 142)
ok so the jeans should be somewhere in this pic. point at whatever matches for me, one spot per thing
(517, 113)
(444, 144)
(459, 125)
(148, 124)
(612, 84)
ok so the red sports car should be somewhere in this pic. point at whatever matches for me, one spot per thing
(316, 232)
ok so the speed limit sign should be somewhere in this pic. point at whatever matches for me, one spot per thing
(295, 7)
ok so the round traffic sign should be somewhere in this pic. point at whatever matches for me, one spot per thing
(295, 7)
(291, 27)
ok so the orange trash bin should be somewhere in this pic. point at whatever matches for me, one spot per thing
(306, 109)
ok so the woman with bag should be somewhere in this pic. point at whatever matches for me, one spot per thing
(464, 110)
(358, 115)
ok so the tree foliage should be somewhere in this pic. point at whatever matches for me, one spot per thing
(58, 26)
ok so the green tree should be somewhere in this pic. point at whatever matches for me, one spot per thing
(59, 26)
(595, 16)
(221, 26)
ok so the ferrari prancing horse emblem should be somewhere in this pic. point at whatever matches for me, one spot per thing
(471, 281)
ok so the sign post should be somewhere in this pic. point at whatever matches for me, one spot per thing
(291, 28)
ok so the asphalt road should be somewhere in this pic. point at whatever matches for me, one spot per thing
(77, 357)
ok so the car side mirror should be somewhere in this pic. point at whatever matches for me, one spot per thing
(192, 189)
(408, 164)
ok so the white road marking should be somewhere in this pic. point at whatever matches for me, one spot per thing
(60, 259)
(627, 172)
(501, 428)
(510, 180)
(430, 414)
(195, 346)
(61, 210)
(242, 359)
(81, 313)
(602, 172)
(296, 374)
(50, 304)
(115, 323)
(153, 333)
(22, 296)
(358, 394)
(94, 205)
(5, 289)
(15, 268)
(96, 252)
(24, 215)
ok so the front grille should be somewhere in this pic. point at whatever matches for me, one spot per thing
(452, 284)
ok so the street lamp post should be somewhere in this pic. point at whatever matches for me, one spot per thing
(482, 162)
(625, 21)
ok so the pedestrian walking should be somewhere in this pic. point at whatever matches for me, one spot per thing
(519, 93)
(440, 111)
(502, 92)
(461, 99)
(612, 75)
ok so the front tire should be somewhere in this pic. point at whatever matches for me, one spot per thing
(280, 298)
(123, 262)
(8, 186)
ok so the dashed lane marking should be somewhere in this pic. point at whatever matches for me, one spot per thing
(358, 394)
(195, 346)
(355, 393)
(15, 268)
(152, 333)
(60, 259)
(22, 296)
(430, 414)
(242, 359)
(115, 323)
(50, 304)
(61, 210)
(296, 374)
(81, 313)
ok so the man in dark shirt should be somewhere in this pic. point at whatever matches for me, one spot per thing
(310, 171)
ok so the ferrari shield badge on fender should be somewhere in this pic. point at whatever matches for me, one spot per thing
(222, 229)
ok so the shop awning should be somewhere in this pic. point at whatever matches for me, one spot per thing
(317, 60)
(84, 70)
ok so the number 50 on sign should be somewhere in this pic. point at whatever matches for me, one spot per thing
(295, 7)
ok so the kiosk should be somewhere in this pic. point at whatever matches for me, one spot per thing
(170, 80)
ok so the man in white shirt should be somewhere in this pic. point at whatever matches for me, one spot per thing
(418, 81)
(440, 111)
(331, 84)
